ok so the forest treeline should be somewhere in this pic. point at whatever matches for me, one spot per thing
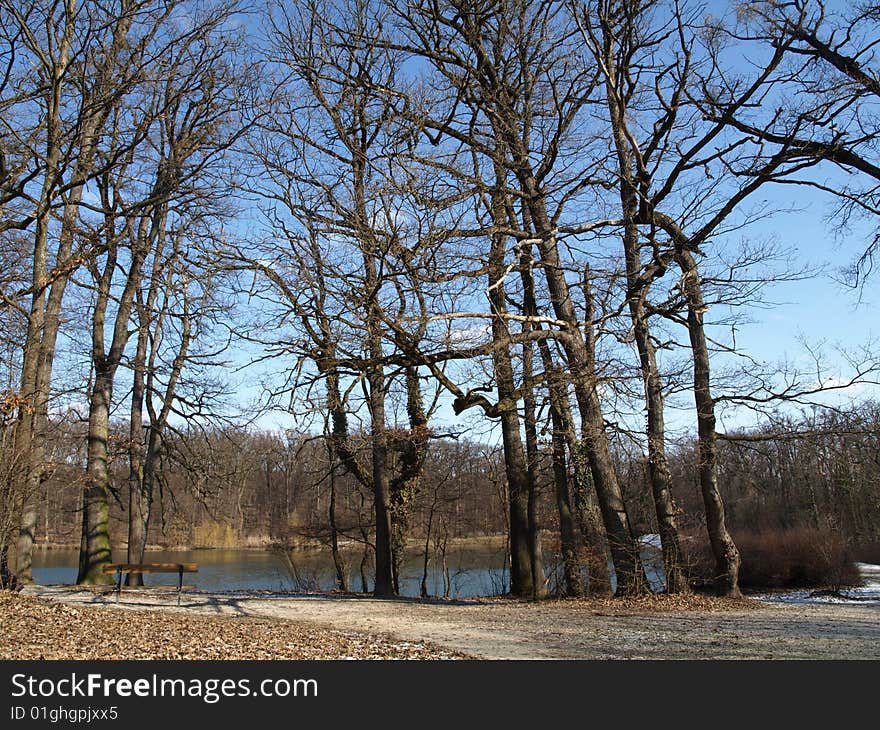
(549, 218)
(239, 488)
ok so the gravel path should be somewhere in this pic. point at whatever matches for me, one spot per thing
(651, 628)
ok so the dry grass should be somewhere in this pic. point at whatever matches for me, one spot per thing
(643, 604)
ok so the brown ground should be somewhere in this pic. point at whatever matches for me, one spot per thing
(46, 629)
(308, 626)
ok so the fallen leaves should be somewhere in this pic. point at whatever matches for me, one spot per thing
(42, 629)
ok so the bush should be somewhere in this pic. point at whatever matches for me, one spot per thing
(791, 558)
(868, 553)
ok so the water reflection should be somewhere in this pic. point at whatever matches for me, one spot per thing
(469, 572)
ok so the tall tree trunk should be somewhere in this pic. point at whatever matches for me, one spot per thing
(588, 517)
(571, 566)
(404, 486)
(536, 559)
(28, 443)
(384, 584)
(42, 338)
(28, 437)
(338, 446)
(727, 558)
(138, 499)
(95, 544)
(658, 464)
(96, 105)
(521, 581)
(144, 457)
(139, 530)
(529, 309)
(564, 436)
(338, 563)
(638, 284)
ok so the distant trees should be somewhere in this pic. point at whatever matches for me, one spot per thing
(811, 470)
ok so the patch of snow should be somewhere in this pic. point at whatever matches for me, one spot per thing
(867, 594)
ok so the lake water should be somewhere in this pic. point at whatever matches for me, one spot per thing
(471, 571)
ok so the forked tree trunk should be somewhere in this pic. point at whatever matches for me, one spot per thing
(45, 313)
(36, 376)
(580, 353)
(637, 289)
(95, 543)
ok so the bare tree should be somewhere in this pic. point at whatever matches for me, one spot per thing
(328, 153)
(191, 119)
(176, 305)
(87, 59)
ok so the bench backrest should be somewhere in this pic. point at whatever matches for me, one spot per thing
(151, 568)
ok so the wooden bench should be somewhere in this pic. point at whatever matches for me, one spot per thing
(120, 569)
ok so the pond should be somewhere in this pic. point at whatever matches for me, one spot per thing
(470, 571)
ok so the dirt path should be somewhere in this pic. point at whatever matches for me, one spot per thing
(507, 629)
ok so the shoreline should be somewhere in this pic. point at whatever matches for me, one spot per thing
(474, 542)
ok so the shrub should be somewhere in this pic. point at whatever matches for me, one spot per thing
(214, 534)
(868, 552)
(790, 558)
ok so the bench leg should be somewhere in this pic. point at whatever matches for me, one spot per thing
(179, 583)
(118, 584)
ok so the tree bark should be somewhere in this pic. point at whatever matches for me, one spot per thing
(384, 584)
(529, 309)
(521, 580)
(727, 558)
(139, 501)
(570, 563)
(338, 564)
(95, 545)
(412, 449)
(96, 103)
